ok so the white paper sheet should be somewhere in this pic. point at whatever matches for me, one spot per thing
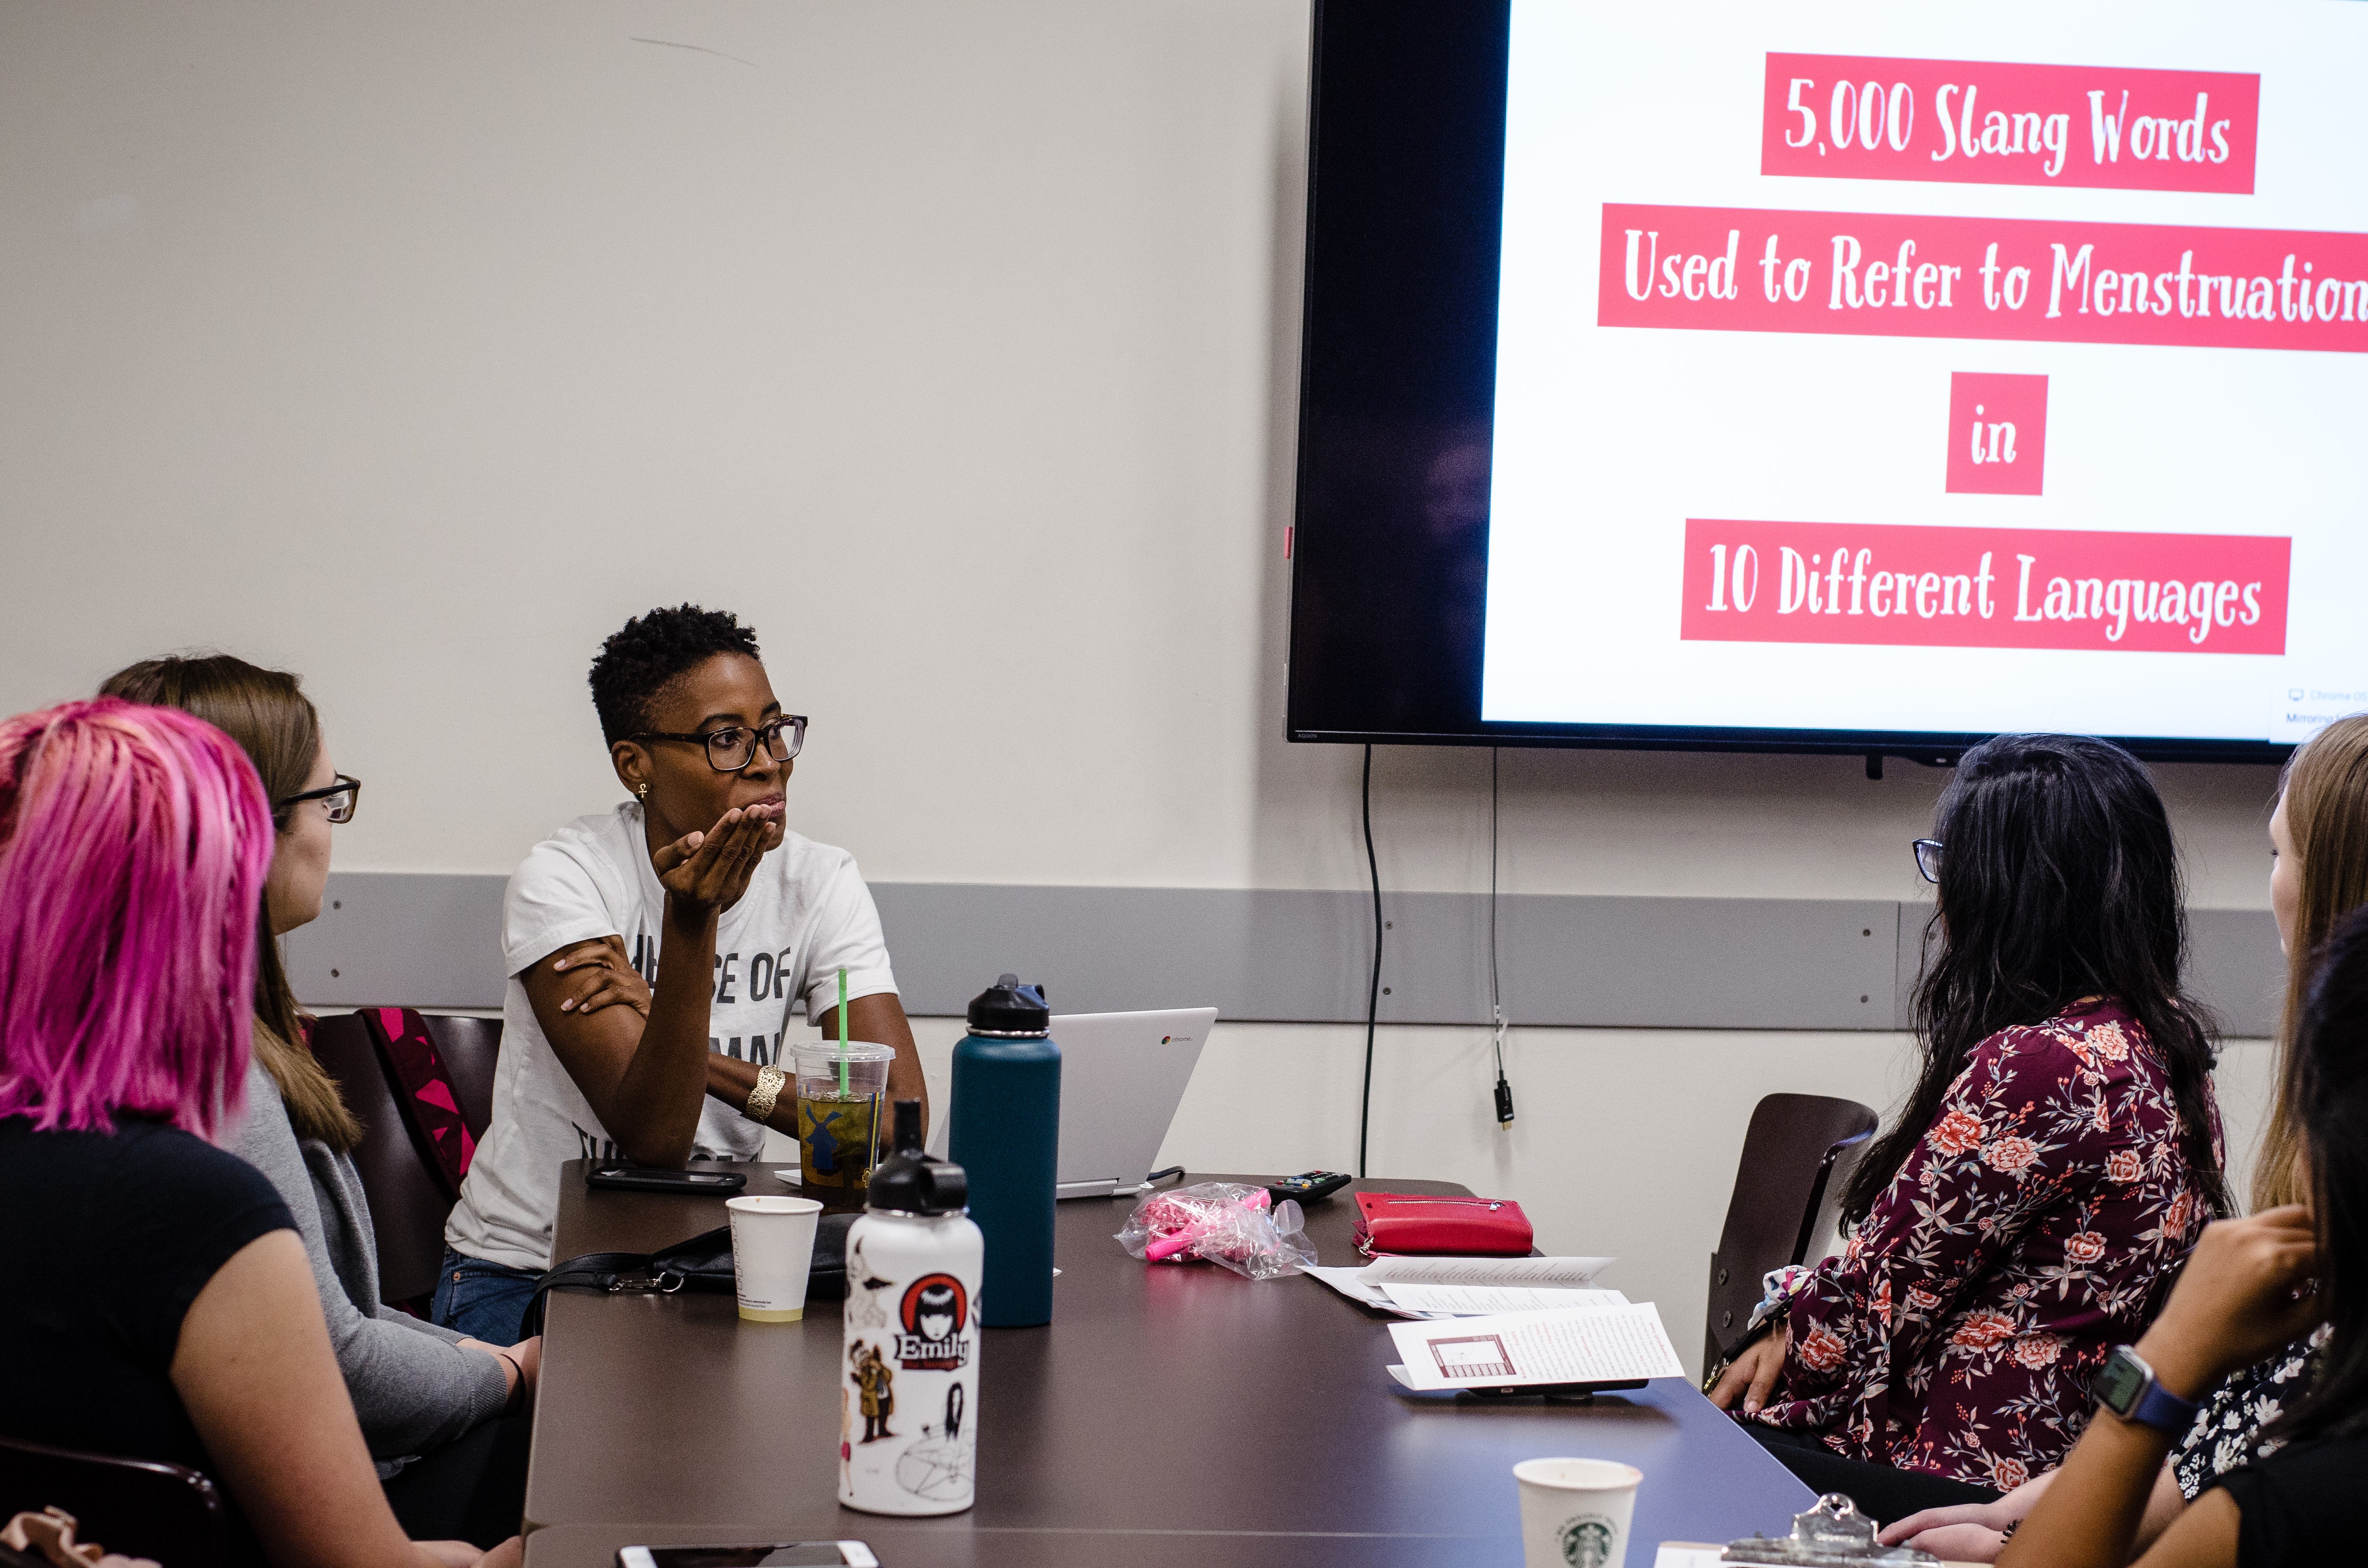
(1364, 1285)
(1578, 1345)
(1351, 1283)
(1465, 1301)
(1546, 1273)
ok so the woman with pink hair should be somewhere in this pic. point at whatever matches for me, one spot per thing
(175, 1316)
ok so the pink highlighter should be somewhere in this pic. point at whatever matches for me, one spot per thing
(1174, 1227)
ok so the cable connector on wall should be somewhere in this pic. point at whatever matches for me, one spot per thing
(1496, 975)
(1504, 1089)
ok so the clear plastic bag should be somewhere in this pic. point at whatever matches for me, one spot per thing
(1223, 1223)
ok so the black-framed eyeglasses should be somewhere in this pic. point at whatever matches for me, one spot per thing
(1928, 859)
(341, 797)
(732, 747)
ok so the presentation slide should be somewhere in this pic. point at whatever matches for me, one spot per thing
(1947, 369)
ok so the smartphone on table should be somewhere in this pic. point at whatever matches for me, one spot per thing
(775, 1554)
(643, 1178)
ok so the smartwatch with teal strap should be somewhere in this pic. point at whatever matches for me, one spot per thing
(2126, 1386)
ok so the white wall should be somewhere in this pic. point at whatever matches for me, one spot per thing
(414, 347)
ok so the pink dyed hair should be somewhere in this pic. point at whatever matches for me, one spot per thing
(134, 842)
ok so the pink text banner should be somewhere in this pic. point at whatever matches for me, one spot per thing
(1978, 122)
(1901, 274)
(1904, 585)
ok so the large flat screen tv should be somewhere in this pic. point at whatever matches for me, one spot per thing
(1834, 377)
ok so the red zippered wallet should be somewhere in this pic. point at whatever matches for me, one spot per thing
(1393, 1223)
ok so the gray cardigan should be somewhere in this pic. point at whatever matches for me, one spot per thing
(413, 1385)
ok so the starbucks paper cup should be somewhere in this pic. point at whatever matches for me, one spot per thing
(1575, 1513)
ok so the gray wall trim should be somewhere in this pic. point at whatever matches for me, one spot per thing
(433, 941)
(2234, 965)
(2234, 968)
(401, 938)
(1303, 956)
(1915, 922)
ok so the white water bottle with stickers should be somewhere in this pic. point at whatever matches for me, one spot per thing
(908, 1368)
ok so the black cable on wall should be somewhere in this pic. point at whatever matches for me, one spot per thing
(1495, 984)
(1373, 993)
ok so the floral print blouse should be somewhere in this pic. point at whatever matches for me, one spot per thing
(2038, 1224)
(2228, 1431)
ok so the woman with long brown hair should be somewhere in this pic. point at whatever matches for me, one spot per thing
(432, 1403)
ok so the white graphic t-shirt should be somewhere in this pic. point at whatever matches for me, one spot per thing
(806, 914)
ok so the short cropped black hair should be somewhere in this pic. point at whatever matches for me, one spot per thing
(651, 649)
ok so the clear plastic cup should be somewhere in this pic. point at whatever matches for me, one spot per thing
(840, 1103)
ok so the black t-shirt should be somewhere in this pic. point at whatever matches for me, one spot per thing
(2300, 1506)
(105, 1240)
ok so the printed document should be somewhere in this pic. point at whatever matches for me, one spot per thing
(1577, 1344)
(1466, 1301)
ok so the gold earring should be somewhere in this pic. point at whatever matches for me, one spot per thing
(641, 792)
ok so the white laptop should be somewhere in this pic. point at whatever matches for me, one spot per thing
(1122, 1076)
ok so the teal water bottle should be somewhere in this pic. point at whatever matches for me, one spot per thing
(1006, 1131)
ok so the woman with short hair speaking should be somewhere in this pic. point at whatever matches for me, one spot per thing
(2052, 1166)
(702, 921)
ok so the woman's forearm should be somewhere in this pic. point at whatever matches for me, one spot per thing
(411, 1392)
(253, 1369)
(733, 1081)
(658, 1098)
(2164, 1504)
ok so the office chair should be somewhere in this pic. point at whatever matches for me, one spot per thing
(1796, 1160)
(136, 1508)
(470, 1047)
(409, 1190)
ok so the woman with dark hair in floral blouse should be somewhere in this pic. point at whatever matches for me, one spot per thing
(2056, 1161)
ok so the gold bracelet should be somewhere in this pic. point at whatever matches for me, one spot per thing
(768, 1090)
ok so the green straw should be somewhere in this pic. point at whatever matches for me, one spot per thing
(842, 1033)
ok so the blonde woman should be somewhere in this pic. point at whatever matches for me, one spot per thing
(441, 1413)
(2318, 873)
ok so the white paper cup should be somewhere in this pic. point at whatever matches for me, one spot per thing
(1575, 1513)
(772, 1251)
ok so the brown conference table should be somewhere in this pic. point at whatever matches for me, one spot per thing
(1167, 1415)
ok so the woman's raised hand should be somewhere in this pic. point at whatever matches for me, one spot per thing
(603, 976)
(707, 872)
(1753, 1374)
